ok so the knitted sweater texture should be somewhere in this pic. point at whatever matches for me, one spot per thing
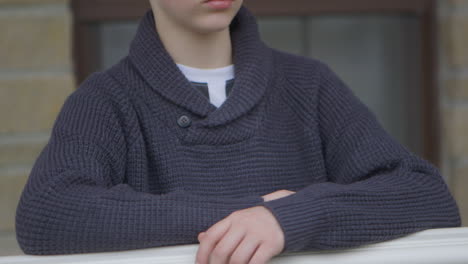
(119, 171)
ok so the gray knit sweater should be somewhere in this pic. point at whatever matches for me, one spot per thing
(138, 158)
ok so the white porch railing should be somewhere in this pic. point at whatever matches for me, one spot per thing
(441, 246)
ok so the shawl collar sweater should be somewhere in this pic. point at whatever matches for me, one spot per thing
(119, 171)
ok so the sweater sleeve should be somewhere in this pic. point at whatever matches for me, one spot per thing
(76, 201)
(376, 190)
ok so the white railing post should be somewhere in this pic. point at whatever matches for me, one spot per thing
(441, 246)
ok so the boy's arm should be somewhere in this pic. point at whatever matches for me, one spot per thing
(75, 200)
(377, 189)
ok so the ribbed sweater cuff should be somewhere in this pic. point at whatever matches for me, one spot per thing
(254, 200)
(242, 203)
(303, 222)
(229, 203)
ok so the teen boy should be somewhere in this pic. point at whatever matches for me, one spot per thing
(203, 127)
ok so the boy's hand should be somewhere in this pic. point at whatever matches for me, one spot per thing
(251, 235)
(277, 195)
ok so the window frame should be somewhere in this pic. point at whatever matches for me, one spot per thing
(85, 40)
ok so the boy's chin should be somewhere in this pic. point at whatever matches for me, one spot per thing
(212, 26)
(208, 30)
(210, 22)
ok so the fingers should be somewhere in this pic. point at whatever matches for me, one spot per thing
(262, 255)
(229, 242)
(277, 195)
(210, 239)
(238, 238)
(245, 250)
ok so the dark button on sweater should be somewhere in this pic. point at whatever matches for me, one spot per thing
(184, 121)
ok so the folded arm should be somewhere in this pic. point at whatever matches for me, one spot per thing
(76, 200)
(377, 189)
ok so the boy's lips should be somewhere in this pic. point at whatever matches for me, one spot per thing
(218, 4)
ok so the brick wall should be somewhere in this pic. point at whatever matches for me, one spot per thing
(453, 82)
(35, 78)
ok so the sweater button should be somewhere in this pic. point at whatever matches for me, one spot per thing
(184, 121)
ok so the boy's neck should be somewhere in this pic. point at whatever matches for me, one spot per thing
(193, 49)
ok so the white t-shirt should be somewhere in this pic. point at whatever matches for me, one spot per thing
(215, 84)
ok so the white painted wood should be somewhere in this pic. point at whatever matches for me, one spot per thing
(441, 246)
